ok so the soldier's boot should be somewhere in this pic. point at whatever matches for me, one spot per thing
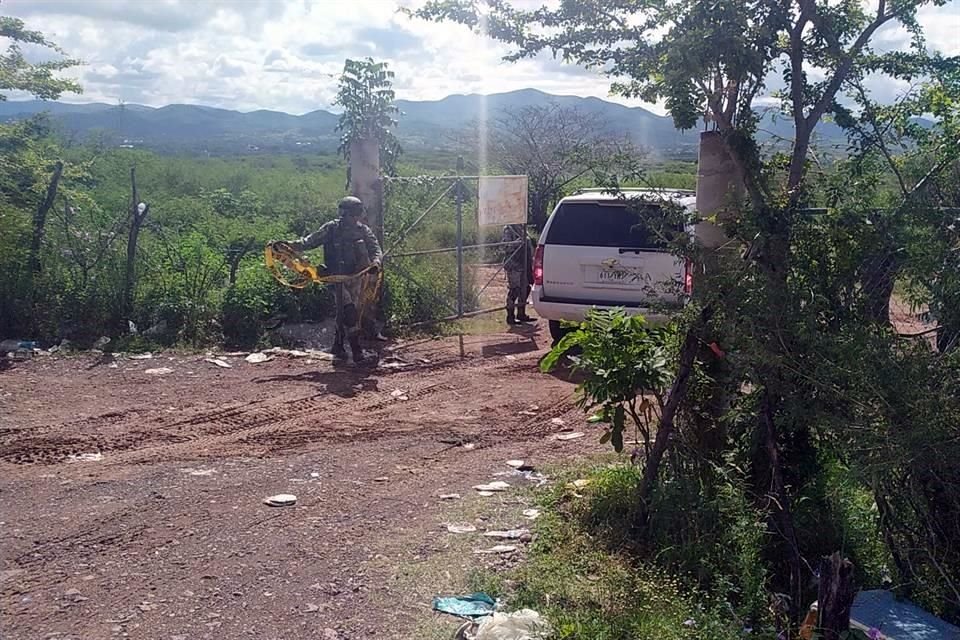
(522, 315)
(511, 317)
(359, 355)
(337, 350)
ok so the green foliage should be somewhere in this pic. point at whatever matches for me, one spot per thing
(622, 358)
(366, 95)
(38, 79)
(199, 264)
(584, 576)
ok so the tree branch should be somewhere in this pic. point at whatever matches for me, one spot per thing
(846, 64)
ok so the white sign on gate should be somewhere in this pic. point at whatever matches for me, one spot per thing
(502, 200)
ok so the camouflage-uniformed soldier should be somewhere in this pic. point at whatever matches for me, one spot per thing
(349, 246)
(519, 267)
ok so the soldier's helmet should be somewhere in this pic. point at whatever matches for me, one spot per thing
(350, 205)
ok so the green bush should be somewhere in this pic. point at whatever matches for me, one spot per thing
(257, 297)
(583, 575)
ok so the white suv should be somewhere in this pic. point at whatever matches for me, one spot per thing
(596, 252)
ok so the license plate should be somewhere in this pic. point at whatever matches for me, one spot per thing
(620, 276)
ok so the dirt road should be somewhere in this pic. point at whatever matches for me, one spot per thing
(132, 501)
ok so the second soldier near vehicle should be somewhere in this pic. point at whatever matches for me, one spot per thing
(349, 247)
(519, 267)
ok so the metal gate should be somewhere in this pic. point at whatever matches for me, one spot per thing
(432, 235)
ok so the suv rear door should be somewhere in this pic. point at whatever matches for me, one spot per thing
(601, 252)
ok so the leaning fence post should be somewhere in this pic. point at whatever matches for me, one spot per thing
(459, 201)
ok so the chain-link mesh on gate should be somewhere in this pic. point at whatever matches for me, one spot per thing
(439, 264)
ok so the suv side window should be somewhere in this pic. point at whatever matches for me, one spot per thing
(592, 224)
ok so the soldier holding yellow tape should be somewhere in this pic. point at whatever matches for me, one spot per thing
(351, 250)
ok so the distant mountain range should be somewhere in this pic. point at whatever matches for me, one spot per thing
(422, 125)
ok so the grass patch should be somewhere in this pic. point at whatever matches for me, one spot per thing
(584, 575)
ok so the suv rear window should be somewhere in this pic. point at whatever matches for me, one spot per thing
(590, 224)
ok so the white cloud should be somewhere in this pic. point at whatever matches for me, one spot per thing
(286, 54)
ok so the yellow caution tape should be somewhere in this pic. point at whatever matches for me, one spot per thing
(281, 254)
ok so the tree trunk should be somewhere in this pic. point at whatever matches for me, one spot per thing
(835, 598)
(235, 257)
(136, 221)
(783, 514)
(878, 281)
(539, 203)
(677, 394)
(40, 219)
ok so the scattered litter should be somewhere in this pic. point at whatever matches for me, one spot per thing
(527, 413)
(526, 477)
(580, 484)
(280, 351)
(509, 534)
(449, 496)
(469, 446)
(394, 362)
(198, 472)
(569, 436)
(159, 371)
(281, 500)
(531, 514)
(85, 457)
(314, 474)
(113, 365)
(461, 528)
(141, 356)
(219, 362)
(497, 485)
(399, 395)
(257, 358)
(498, 549)
(557, 421)
(382, 479)
(524, 624)
(475, 605)
(516, 464)
(485, 494)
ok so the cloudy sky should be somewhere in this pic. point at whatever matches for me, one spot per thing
(286, 54)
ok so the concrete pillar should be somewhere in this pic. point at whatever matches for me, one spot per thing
(719, 190)
(365, 181)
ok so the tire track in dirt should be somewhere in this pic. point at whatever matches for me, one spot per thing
(261, 427)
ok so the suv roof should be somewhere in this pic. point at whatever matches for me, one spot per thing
(680, 196)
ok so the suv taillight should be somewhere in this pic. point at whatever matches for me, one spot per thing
(688, 276)
(538, 265)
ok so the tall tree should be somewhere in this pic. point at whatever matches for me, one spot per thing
(367, 97)
(554, 146)
(367, 141)
(37, 79)
(712, 60)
